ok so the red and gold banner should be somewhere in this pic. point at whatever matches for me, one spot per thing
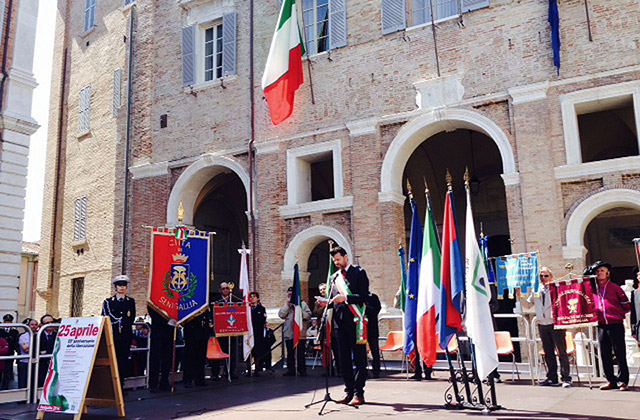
(573, 303)
(230, 319)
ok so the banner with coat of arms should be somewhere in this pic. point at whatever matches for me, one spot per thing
(179, 277)
(573, 304)
(518, 270)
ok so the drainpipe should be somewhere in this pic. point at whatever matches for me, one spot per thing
(127, 147)
(251, 151)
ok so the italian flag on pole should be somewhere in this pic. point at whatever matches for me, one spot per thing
(428, 290)
(283, 72)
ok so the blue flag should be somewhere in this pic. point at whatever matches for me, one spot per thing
(554, 21)
(411, 303)
(484, 249)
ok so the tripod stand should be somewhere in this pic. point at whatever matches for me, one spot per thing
(326, 358)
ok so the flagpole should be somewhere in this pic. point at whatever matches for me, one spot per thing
(435, 41)
(586, 9)
(304, 38)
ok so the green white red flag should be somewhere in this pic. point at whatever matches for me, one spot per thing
(428, 290)
(283, 72)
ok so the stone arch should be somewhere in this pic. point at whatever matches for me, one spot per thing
(422, 128)
(303, 243)
(194, 178)
(588, 209)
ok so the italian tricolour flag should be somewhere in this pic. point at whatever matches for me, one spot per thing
(283, 73)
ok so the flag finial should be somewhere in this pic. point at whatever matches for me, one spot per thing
(449, 180)
(409, 189)
(466, 177)
(426, 187)
(180, 213)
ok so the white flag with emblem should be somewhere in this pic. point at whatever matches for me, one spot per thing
(247, 339)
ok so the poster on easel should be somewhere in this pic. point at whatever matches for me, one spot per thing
(83, 369)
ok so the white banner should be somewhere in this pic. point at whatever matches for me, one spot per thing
(71, 365)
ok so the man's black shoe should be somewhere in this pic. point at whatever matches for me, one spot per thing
(376, 375)
(289, 374)
(548, 382)
(416, 377)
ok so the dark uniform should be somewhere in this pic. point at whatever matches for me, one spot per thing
(161, 351)
(260, 350)
(373, 332)
(350, 352)
(122, 313)
(196, 336)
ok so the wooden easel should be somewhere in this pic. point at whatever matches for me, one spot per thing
(103, 386)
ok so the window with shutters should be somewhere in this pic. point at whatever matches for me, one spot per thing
(89, 14)
(397, 14)
(80, 220)
(213, 52)
(77, 294)
(84, 120)
(209, 50)
(325, 25)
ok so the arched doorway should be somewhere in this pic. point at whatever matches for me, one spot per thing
(609, 237)
(616, 213)
(219, 208)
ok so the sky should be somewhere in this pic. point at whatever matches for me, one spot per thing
(42, 69)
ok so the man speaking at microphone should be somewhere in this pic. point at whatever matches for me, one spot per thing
(348, 295)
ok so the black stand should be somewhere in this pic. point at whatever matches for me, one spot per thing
(322, 334)
(475, 399)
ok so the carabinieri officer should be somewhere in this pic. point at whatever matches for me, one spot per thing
(121, 310)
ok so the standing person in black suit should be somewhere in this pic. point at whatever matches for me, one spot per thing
(47, 343)
(121, 310)
(373, 332)
(196, 336)
(349, 292)
(11, 335)
(258, 321)
(161, 349)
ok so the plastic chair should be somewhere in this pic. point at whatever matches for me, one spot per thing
(214, 352)
(505, 348)
(394, 342)
(452, 346)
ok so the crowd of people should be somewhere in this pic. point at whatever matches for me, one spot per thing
(18, 341)
(345, 302)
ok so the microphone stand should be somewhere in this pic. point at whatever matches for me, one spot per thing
(322, 335)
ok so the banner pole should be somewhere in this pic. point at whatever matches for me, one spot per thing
(173, 362)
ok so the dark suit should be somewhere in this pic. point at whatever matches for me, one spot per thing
(350, 352)
(373, 331)
(47, 343)
(196, 336)
(258, 321)
(122, 314)
(161, 351)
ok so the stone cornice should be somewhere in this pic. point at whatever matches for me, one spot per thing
(149, 170)
(529, 93)
(18, 123)
(363, 127)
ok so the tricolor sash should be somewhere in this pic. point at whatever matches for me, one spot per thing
(357, 310)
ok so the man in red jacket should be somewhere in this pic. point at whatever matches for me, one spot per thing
(612, 305)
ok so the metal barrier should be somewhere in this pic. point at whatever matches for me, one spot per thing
(132, 382)
(19, 394)
(36, 361)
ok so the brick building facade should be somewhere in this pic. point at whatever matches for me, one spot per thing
(554, 156)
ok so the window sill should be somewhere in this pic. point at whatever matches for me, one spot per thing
(426, 24)
(211, 83)
(79, 244)
(88, 32)
(323, 206)
(83, 135)
(589, 169)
